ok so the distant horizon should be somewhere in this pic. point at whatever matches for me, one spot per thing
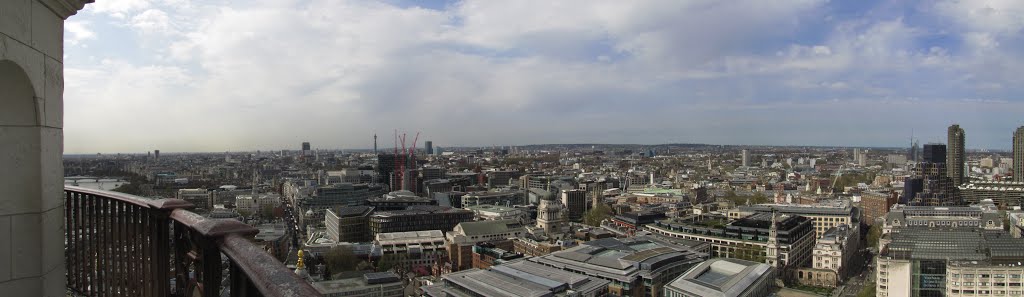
(387, 150)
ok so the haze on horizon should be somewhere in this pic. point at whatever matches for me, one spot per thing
(194, 76)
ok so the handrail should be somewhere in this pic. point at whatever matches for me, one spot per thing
(132, 199)
(124, 245)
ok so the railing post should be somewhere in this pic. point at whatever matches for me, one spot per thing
(197, 252)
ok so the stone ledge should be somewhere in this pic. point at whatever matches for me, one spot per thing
(65, 8)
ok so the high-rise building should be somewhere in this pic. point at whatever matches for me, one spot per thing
(746, 158)
(305, 148)
(1018, 154)
(156, 155)
(575, 202)
(955, 155)
(934, 153)
(937, 188)
(429, 146)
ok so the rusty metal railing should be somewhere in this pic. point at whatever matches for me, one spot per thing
(122, 245)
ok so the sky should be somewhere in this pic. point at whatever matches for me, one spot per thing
(213, 76)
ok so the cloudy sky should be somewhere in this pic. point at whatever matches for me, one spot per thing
(181, 75)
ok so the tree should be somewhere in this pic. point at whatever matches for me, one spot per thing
(759, 198)
(874, 234)
(341, 258)
(595, 215)
(867, 291)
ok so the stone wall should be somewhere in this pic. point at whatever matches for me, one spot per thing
(31, 146)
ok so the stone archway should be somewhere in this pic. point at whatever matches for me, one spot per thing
(21, 207)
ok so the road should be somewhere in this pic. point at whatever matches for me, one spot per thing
(857, 282)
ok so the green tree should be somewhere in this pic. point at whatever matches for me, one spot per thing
(341, 258)
(758, 198)
(595, 215)
(874, 234)
(867, 291)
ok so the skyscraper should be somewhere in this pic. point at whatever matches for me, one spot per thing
(746, 158)
(955, 155)
(1018, 154)
(937, 188)
(429, 146)
(305, 148)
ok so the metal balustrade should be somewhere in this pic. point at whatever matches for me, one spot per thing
(122, 245)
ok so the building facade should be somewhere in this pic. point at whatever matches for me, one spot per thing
(348, 224)
(956, 155)
(418, 218)
(783, 241)
(466, 235)
(1018, 154)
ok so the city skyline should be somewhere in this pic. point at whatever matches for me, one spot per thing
(200, 76)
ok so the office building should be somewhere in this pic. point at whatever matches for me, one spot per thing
(398, 200)
(956, 155)
(465, 235)
(418, 218)
(515, 279)
(876, 205)
(504, 198)
(501, 178)
(1003, 193)
(1018, 154)
(927, 261)
(340, 194)
(428, 146)
(348, 224)
(305, 149)
(575, 202)
(832, 257)
(724, 277)
(635, 266)
(201, 198)
(746, 158)
(373, 284)
(937, 188)
(984, 215)
(487, 255)
(630, 222)
(824, 215)
(497, 212)
(413, 248)
(781, 240)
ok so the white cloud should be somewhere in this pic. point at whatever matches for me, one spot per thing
(993, 16)
(118, 6)
(77, 31)
(265, 74)
(151, 21)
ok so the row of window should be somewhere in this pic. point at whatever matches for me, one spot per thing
(986, 284)
(971, 275)
(987, 292)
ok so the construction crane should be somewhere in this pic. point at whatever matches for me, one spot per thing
(401, 160)
(839, 173)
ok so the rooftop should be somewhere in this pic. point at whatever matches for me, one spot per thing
(721, 277)
(964, 244)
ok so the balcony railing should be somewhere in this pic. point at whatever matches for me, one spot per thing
(123, 245)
